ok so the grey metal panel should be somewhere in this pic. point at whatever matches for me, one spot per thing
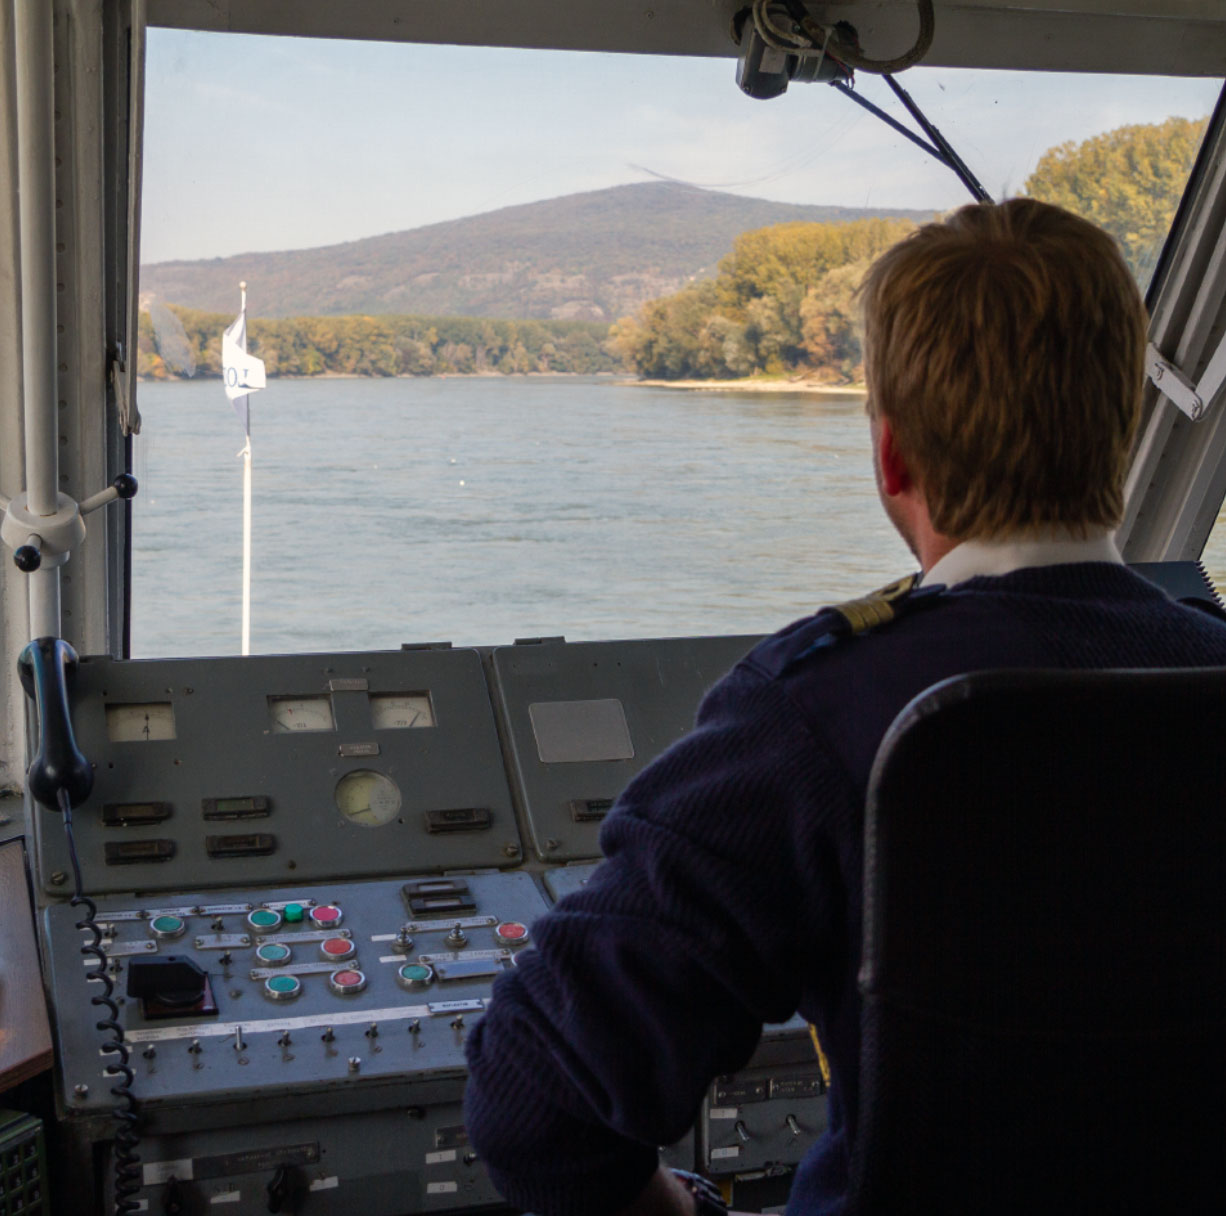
(1178, 475)
(221, 1119)
(658, 684)
(560, 881)
(225, 747)
(744, 1124)
(264, 1074)
(378, 1163)
(1141, 36)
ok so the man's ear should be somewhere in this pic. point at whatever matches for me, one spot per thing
(895, 476)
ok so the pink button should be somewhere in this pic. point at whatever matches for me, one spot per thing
(326, 916)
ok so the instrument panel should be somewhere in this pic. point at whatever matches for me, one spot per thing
(308, 871)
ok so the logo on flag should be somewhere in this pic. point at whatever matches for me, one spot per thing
(243, 373)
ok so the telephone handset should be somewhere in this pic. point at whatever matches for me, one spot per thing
(58, 769)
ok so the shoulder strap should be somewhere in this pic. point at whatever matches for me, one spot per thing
(878, 607)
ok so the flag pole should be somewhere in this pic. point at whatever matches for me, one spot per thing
(244, 375)
(246, 455)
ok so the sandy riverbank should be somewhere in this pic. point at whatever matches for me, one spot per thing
(759, 386)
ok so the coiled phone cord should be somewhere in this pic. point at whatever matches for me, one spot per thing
(126, 1110)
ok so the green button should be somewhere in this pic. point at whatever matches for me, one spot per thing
(282, 983)
(294, 913)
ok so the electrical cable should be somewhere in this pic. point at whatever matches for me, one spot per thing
(126, 1110)
(802, 35)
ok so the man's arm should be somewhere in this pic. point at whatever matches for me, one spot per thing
(659, 973)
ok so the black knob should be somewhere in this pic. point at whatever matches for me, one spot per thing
(279, 1189)
(172, 1204)
(125, 485)
(27, 558)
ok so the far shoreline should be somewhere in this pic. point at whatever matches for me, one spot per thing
(619, 379)
(759, 386)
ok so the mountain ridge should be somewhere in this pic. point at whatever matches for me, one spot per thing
(595, 255)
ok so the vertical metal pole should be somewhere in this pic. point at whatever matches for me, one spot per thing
(246, 641)
(36, 187)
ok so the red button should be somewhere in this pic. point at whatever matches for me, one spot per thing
(338, 948)
(511, 933)
(327, 916)
(347, 982)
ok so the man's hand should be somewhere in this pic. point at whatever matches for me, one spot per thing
(664, 1195)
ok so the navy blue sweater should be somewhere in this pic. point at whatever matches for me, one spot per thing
(731, 892)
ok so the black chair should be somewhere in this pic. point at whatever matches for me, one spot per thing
(1044, 964)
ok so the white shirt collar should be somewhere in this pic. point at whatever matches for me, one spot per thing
(976, 558)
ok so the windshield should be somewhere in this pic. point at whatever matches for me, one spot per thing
(556, 344)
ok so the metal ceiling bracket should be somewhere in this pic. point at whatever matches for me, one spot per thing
(1192, 399)
(1173, 384)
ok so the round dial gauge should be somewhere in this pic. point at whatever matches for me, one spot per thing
(400, 710)
(292, 714)
(367, 798)
(140, 723)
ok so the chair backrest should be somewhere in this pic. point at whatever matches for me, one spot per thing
(1043, 981)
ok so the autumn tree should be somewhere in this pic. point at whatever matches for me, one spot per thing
(781, 302)
(1127, 181)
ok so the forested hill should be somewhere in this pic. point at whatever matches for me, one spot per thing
(595, 256)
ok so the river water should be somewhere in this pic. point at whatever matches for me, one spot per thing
(480, 510)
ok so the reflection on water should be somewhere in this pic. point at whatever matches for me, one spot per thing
(482, 510)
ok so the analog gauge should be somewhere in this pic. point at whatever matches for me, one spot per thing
(140, 723)
(292, 714)
(400, 710)
(367, 798)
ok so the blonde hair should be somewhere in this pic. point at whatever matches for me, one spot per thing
(1006, 346)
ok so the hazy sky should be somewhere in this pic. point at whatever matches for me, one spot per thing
(282, 143)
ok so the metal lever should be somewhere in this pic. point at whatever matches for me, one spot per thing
(38, 538)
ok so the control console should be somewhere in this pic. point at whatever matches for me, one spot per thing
(308, 871)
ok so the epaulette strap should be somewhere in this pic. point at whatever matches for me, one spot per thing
(876, 608)
(842, 621)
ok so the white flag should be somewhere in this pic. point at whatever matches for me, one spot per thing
(243, 373)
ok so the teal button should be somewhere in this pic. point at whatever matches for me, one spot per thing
(283, 987)
(263, 919)
(167, 926)
(273, 952)
(294, 913)
(414, 975)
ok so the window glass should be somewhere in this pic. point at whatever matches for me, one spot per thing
(478, 278)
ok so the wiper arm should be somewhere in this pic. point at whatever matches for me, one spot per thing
(939, 148)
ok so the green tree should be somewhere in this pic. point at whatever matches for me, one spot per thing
(1127, 181)
(783, 300)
